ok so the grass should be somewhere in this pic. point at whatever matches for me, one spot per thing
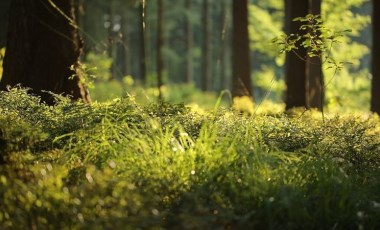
(121, 165)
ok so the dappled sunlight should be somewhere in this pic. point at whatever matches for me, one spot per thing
(166, 165)
(243, 104)
(165, 142)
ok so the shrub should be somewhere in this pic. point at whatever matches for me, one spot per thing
(123, 165)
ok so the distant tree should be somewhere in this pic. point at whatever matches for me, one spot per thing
(375, 92)
(160, 44)
(241, 82)
(206, 46)
(117, 28)
(142, 26)
(295, 64)
(189, 43)
(109, 22)
(314, 76)
(43, 44)
(224, 35)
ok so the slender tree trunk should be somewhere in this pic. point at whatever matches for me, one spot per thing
(125, 28)
(160, 44)
(295, 65)
(189, 44)
(224, 48)
(120, 62)
(375, 92)
(206, 50)
(314, 80)
(111, 38)
(43, 43)
(142, 42)
(241, 82)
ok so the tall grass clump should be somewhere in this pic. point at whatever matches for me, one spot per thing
(120, 165)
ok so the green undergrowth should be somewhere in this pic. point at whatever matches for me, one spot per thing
(120, 165)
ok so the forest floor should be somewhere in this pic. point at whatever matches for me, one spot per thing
(121, 165)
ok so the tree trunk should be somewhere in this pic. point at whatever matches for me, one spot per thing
(160, 44)
(111, 38)
(241, 82)
(314, 80)
(375, 91)
(142, 42)
(43, 42)
(206, 50)
(4, 11)
(224, 48)
(295, 65)
(121, 45)
(189, 44)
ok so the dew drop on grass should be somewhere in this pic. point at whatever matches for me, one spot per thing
(155, 212)
(43, 172)
(77, 201)
(112, 164)
(89, 178)
(192, 172)
(376, 204)
(38, 203)
(80, 217)
(131, 186)
(65, 190)
(183, 134)
(3, 180)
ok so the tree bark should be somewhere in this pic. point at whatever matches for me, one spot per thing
(241, 82)
(375, 91)
(314, 80)
(4, 11)
(43, 43)
(295, 64)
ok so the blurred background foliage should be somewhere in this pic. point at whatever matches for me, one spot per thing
(117, 44)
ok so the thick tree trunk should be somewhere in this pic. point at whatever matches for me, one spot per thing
(295, 65)
(375, 92)
(4, 9)
(206, 50)
(314, 80)
(43, 43)
(241, 82)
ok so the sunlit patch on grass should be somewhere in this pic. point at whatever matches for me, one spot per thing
(243, 104)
